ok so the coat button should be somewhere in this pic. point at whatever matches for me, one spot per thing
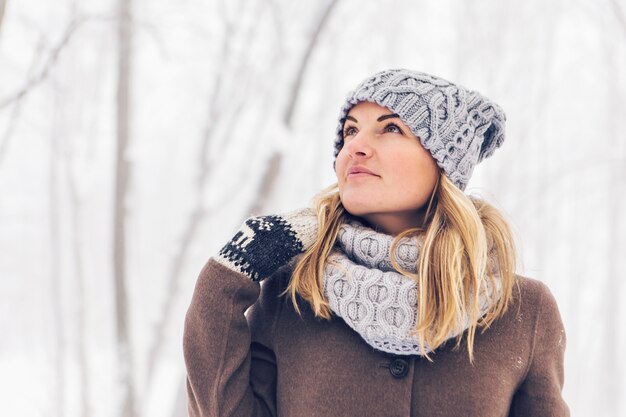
(399, 368)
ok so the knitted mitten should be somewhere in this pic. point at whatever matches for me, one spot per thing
(264, 244)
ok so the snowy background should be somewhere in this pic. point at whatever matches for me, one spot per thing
(137, 135)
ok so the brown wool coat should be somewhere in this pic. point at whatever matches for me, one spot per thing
(271, 362)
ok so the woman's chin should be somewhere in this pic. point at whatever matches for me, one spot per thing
(356, 209)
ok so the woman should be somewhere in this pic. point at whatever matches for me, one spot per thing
(340, 326)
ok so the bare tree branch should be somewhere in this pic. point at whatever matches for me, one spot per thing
(77, 245)
(304, 63)
(3, 4)
(17, 97)
(45, 71)
(122, 180)
(8, 132)
(15, 111)
(60, 345)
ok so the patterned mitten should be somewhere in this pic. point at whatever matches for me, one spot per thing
(264, 244)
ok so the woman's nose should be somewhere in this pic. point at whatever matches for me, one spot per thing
(359, 145)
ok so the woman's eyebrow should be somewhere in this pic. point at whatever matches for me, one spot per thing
(380, 119)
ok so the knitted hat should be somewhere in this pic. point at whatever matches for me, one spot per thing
(459, 127)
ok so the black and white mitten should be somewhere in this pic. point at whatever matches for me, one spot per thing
(263, 244)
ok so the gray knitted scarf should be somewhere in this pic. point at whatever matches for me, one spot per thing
(365, 290)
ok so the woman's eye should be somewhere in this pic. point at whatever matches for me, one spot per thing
(394, 128)
(348, 131)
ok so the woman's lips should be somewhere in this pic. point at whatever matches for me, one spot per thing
(360, 175)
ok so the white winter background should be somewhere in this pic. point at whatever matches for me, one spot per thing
(137, 135)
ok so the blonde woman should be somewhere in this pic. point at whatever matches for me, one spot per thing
(394, 295)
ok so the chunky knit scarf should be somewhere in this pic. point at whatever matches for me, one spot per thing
(365, 290)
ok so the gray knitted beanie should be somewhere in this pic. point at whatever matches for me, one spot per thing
(459, 127)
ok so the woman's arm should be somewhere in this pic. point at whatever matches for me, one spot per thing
(227, 375)
(231, 368)
(540, 393)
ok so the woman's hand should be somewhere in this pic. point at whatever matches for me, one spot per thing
(264, 244)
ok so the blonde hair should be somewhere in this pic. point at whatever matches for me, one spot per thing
(468, 247)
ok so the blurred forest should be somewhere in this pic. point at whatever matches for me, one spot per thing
(136, 136)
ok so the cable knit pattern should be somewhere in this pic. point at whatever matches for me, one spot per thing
(375, 300)
(459, 127)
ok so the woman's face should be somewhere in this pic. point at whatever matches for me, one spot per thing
(404, 174)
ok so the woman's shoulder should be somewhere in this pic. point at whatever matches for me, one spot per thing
(532, 313)
(533, 305)
(529, 288)
(531, 292)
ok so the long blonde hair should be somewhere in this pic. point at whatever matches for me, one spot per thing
(468, 246)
